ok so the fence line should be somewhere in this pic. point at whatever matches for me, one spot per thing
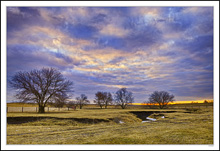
(56, 109)
(35, 109)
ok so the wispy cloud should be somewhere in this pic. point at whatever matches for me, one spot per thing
(106, 48)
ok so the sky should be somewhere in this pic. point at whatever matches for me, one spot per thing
(144, 49)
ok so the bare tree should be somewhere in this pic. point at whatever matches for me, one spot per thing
(59, 101)
(40, 86)
(107, 99)
(206, 101)
(82, 100)
(71, 104)
(123, 97)
(103, 99)
(162, 98)
(99, 99)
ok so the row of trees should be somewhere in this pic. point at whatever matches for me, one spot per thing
(122, 97)
(49, 86)
(103, 99)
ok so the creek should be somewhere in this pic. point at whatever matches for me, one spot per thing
(144, 115)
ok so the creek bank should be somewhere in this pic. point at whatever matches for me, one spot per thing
(144, 115)
(20, 120)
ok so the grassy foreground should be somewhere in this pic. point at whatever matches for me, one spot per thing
(103, 126)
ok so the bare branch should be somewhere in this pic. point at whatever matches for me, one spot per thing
(123, 97)
(103, 99)
(82, 100)
(40, 85)
(162, 98)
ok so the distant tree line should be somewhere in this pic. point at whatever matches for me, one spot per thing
(103, 99)
(48, 86)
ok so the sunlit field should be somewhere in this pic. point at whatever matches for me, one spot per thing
(136, 74)
(112, 126)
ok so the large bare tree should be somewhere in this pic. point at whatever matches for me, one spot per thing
(41, 86)
(82, 100)
(162, 98)
(123, 97)
(103, 99)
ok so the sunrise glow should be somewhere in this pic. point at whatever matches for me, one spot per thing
(144, 49)
(176, 102)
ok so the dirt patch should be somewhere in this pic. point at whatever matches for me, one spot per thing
(20, 120)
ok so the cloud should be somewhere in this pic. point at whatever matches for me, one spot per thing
(33, 57)
(111, 41)
(99, 19)
(113, 30)
(105, 48)
(18, 18)
(81, 31)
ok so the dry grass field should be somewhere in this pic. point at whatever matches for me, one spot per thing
(112, 126)
(22, 105)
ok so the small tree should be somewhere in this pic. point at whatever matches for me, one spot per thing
(99, 99)
(60, 101)
(71, 104)
(103, 99)
(205, 102)
(162, 98)
(123, 97)
(82, 100)
(40, 86)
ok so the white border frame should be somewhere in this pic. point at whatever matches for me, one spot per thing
(214, 4)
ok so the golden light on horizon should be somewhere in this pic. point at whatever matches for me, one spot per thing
(176, 102)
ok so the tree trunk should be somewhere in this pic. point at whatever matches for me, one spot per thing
(41, 109)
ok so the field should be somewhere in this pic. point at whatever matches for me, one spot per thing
(112, 126)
